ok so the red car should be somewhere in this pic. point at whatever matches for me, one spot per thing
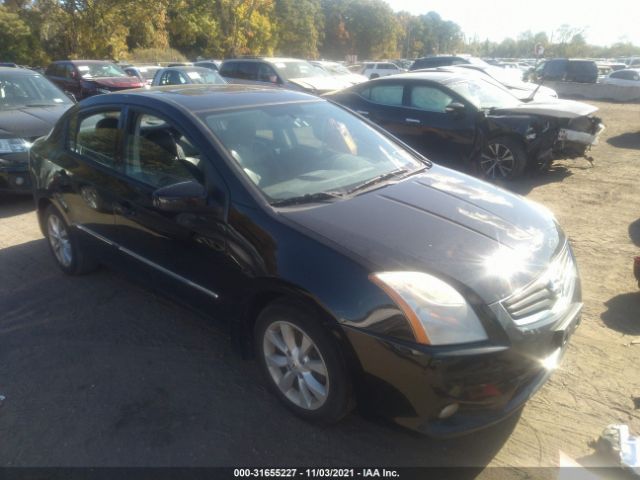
(85, 78)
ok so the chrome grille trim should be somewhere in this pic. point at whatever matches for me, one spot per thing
(550, 293)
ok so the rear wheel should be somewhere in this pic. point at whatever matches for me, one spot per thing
(503, 158)
(64, 244)
(302, 363)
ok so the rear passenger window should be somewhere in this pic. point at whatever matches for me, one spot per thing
(96, 137)
(158, 154)
(387, 94)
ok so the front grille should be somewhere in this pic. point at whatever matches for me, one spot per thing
(550, 292)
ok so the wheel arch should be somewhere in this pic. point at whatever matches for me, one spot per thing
(243, 331)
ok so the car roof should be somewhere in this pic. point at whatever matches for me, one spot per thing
(439, 75)
(189, 68)
(264, 59)
(75, 62)
(18, 71)
(198, 98)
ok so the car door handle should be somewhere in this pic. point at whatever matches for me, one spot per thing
(412, 120)
(362, 112)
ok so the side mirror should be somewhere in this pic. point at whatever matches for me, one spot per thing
(455, 108)
(182, 197)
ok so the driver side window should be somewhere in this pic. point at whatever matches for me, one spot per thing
(158, 154)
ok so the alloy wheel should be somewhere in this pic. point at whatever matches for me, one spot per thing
(59, 240)
(296, 365)
(497, 161)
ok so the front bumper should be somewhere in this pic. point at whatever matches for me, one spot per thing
(412, 384)
(575, 143)
(14, 174)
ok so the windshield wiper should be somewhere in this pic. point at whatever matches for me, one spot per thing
(378, 179)
(307, 198)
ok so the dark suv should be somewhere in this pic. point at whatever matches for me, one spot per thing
(84, 78)
(565, 70)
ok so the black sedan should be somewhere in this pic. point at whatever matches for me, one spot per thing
(462, 118)
(29, 107)
(357, 271)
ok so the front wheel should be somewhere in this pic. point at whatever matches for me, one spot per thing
(503, 158)
(302, 363)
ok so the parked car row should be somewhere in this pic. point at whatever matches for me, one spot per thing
(470, 114)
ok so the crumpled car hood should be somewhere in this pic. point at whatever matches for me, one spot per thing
(444, 223)
(117, 82)
(320, 83)
(551, 108)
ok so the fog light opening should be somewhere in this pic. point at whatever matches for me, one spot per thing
(448, 411)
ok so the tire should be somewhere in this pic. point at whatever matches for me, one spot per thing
(65, 245)
(374, 76)
(502, 158)
(316, 385)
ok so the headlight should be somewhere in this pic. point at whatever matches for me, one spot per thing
(13, 145)
(438, 314)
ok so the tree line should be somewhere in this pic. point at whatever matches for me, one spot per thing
(34, 32)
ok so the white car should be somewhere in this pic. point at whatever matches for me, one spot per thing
(629, 76)
(339, 71)
(373, 70)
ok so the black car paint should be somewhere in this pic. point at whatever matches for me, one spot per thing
(243, 253)
(459, 137)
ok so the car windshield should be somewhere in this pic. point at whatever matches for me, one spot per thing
(147, 72)
(204, 76)
(307, 150)
(295, 69)
(484, 94)
(19, 91)
(97, 70)
(506, 77)
(337, 69)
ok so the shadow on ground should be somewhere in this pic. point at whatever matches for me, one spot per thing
(100, 372)
(634, 232)
(11, 205)
(622, 312)
(626, 140)
(556, 173)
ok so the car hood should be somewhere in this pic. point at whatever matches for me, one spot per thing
(30, 122)
(551, 108)
(444, 223)
(324, 84)
(116, 82)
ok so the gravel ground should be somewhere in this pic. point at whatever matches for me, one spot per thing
(98, 371)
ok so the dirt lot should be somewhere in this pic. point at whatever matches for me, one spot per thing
(99, 371)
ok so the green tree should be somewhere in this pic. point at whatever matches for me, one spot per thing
(299, 27)
(15, 37)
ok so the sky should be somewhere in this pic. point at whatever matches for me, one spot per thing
(606, 21)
